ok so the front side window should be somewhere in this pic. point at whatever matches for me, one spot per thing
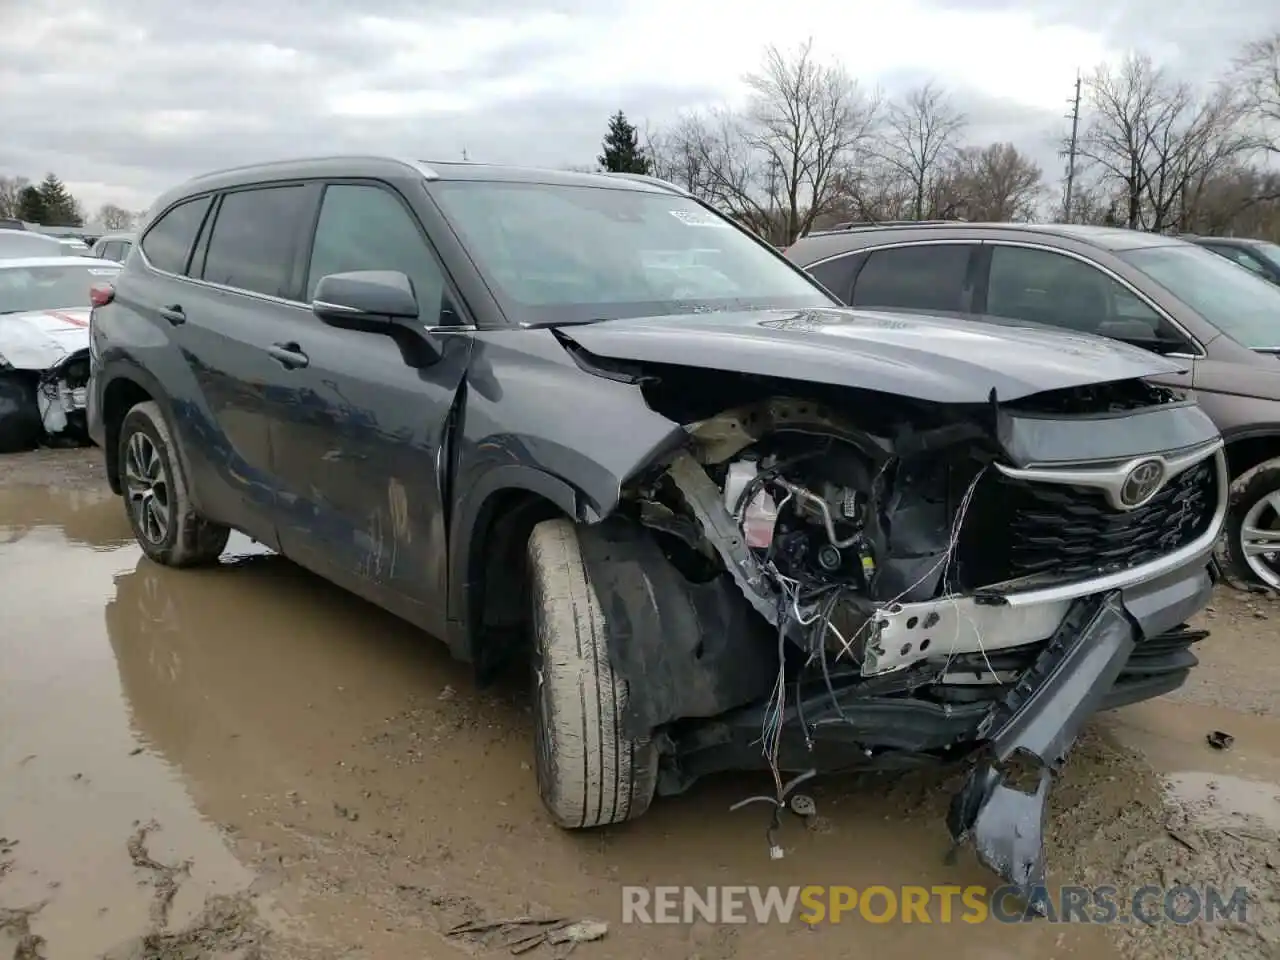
(368, 228)
(555, 253)
(1243, 306)
(24, 288)
(1062, 291)
(167, 244)
(923, 277)
(254, 238)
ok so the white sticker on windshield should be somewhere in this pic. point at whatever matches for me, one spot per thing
(695, 218)
(99, 272)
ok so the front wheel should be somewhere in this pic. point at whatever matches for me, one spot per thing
(164, 521)
(589, 772)
(1253, 529)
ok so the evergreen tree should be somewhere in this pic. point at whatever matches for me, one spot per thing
(60, 207)
(622, 150)
(31, 205)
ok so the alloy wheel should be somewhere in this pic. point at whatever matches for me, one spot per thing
(1260, 539)
(147, 485)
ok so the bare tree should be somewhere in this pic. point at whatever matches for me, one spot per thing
(1259, 69)
(920, 137)
(777, 166)
(114, 218)
(1155, 138)
(995, 183)
(10, 191)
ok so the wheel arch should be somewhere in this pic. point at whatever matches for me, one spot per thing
(124, 387)
(487, 601)
(1250, 449)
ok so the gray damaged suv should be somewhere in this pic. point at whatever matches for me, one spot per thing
(1156, 292)
(723, 521)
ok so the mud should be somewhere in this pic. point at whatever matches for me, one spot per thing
(247, 762)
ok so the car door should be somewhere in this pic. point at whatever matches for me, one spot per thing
(248, 261)
(362, 460)
(927, 276)
(1066, 290)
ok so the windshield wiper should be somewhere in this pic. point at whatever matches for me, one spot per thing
(1274, 351)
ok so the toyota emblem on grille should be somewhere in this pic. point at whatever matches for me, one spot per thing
(1142, 483)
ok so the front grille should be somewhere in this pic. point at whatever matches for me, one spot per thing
(1049, 531)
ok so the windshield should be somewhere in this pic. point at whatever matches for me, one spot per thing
(555, 253)
(1237, 302)
(49, 287)
(1269, 252)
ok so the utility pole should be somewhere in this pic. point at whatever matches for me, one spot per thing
(1071, 152)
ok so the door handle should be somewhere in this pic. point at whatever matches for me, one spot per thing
(174, 314)
(289, 355)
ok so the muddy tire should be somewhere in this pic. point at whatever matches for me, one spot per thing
(165, 523)
(1255, 506)
(589, 772)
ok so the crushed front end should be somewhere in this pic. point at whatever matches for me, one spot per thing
(944, 582)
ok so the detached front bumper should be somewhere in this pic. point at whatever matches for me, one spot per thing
(1072, 650)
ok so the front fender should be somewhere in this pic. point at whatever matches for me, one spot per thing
(534, 421)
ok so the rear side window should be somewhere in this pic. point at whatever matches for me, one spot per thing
(167, 244)
(254, 239)
(367, 228)
(928, 277)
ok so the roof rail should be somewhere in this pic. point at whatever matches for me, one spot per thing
(652, 181)
(864, 224)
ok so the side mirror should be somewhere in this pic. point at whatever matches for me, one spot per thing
(377, 301)
(368, 300)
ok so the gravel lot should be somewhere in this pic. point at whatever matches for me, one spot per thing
(246, 762)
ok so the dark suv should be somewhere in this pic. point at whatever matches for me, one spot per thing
(1160, 293)
(586, 423)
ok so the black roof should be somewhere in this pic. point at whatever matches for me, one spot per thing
(818, 246)
(387, 167)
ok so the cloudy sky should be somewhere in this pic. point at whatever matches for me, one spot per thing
(123, 98)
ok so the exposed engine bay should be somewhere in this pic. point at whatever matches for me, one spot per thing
(887, 552)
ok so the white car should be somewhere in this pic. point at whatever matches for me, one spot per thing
(44, 347)
(27, 243)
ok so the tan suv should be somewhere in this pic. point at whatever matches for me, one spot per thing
(1161, 293)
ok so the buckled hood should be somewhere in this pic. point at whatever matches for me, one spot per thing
(928, 357)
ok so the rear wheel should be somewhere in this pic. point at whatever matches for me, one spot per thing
(164, 521)
(589, 772)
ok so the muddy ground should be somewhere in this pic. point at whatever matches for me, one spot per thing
(246, 762)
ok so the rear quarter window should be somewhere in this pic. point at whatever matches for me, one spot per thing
(167, 244)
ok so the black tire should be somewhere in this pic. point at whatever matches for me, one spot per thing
(589, 773)
(20, 424)
(1261, 485)
(187, 539)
